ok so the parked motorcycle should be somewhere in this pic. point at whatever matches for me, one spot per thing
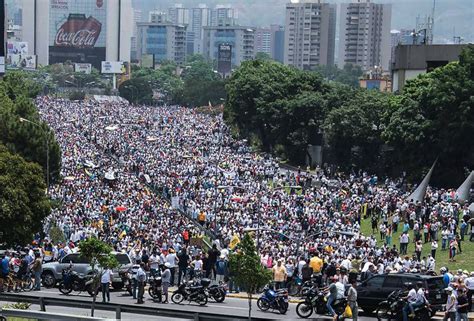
(73, 281)
(127, 281)
(217, 292)
(275, 300)
(392, 308)
(191, 292)
(155, 290)
(315, 301)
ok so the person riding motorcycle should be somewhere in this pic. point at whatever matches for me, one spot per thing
(415, 298)
(336, 291)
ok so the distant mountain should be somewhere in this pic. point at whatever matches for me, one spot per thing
(452, 17)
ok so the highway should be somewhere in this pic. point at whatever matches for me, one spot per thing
(232, 306)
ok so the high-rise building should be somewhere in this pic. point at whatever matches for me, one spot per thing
(364, 34)
(223, 15)
(263, 41)
(404, 37)
(164, 41)
(157, 16)
(178, 14)
(310, 33)
(241, 39)
(137, 17)
(82, 31)
(200, 17)
(277, 42)
(17, 17)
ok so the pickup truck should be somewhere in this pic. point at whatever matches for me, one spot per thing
(52, 272)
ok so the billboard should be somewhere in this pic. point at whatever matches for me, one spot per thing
(113, 67)
(85, 68)
(27, 62)
(147, 61)
(13, 61)
(77, 31)
(224, 58)
(17, 48)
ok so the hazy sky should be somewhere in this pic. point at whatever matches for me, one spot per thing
(452, 17)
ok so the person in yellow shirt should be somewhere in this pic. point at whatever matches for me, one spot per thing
(316, 263)
(279, 275)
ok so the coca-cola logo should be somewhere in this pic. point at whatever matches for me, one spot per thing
(78, 32)
(80, 38)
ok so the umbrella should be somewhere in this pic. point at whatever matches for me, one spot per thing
(120, 208)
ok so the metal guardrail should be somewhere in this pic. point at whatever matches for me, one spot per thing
(43, 302)
(40, 315)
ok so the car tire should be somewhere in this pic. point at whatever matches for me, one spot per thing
(117, 286)
(48, 280)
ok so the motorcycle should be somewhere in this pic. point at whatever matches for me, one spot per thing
(275, 300)
(73, 281)
(315, 301)
(217, 292)
(155, 290)
(392, 309)
(127, 281)
(191, 292)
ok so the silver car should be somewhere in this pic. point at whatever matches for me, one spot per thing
(52, 272)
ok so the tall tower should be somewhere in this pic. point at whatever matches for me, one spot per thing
(364, 34)
(310, 32)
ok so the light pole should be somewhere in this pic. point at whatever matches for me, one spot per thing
(22, 120)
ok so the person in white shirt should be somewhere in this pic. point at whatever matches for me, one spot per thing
(172, 260)
(469, 282)
(105, 280)
(154, 262)
(196, 266)
(411, 299)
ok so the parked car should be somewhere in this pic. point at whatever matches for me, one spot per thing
(377, 288)
(52, 272)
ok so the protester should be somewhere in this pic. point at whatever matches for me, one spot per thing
(105, 280)
(141, 178)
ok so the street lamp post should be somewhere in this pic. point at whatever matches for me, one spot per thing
(47, 149)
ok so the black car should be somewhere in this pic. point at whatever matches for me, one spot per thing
(377, 288)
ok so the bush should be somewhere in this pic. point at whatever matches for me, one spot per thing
(77, 95)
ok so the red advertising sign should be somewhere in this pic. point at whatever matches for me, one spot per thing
(78, 32)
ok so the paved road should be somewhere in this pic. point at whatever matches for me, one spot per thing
(233, 306)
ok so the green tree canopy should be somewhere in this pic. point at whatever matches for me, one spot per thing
(248, 271)
(201, 84)
(276, 104)
(434, 117)
(348, 75)
(27, 139)
(23, 201)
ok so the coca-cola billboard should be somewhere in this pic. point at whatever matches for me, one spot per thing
(77, 31)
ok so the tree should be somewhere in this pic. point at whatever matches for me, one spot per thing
(275, 105)
(249, 273)
(99, 255)
(357, 123)
(137, 90)
(262, 56)
(56, 235)
(348, 75)
(24, 138)
(201, 84)
(23, 201)
(434, 117)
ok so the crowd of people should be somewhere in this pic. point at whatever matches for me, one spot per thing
(149, 180)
